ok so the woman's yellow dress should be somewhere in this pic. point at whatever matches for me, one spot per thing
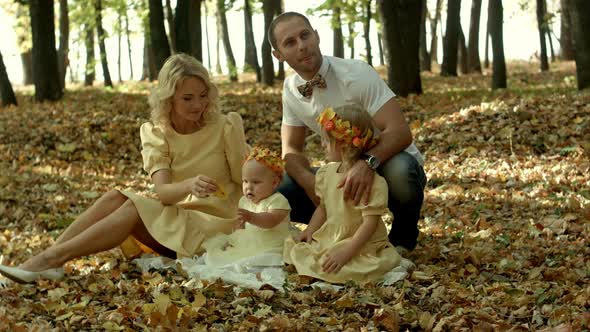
(217, 150)
(343, 219)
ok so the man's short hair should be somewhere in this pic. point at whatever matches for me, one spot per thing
(283, 17)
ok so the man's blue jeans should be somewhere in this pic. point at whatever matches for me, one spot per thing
(406, 181)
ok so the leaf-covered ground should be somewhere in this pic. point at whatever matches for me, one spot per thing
(504, 234)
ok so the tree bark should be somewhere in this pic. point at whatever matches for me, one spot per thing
(281, 70)
(229, 54)
(581, 27)
(451, 39)
(566, 33)
(350, 43)
(128, 34)
(400, 22)
(217, 47)
(473, 62)
(45, 67)
(27, 61)
(495, 19)
(268, 75)
(187, 23)
(542, 26)
(462, 52)
(89, 72)
(250, 54)
(434, 39)
(424, 56)
(337, 29)
(158, 40)
(171, 26)
(486, 61)
(381, 51)
(207, 36)
(119, 37)
(7, 96)
(103, 50)
(367, 30)
(64, 35)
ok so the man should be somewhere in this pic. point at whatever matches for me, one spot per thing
(323, 81)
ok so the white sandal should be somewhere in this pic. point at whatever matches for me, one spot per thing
(24, 277)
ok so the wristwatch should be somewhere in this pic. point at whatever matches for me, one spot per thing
(372, 161)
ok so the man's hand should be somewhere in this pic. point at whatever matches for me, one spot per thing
(337, 258)
(358, 183)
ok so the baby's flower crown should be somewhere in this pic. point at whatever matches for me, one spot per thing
(268, 158)
(344, 132)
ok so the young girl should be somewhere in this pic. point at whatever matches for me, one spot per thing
(263, 216)
(343, 241)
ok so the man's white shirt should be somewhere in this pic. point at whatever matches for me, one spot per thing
(349, 82)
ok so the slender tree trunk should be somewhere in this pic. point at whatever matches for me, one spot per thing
(486, 61)
(45, 64)
(434, 39)
(367, 30)
(424, 56)
(268, 74)
(27, 61)
(337, 28)
(7, 96)
(145, 72)
(250, 54)
(451, 39)
(550, 44)
(217, 45)
(171, 26)
(119, 48)
(89, 71)
(581, 28)
(195, 30)
(462, 52)
(187, 24)
(159, 40)
(128, 34)
(101, 45)
(281, 72)
(23, 40)
(351, 34)
(229, 54)
(566, 33)
(473, 63)
(400, 21)
(495, 18)
(207, 36)
(380, 46)
(64, 35)
(542, 30)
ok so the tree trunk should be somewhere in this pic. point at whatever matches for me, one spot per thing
(207, 36)
(27, 61)
(218, 49)
(229, 54)
(119, 37)
(380, 46)
(400, 23)
(581, 27)
(337, 28)
(451, 39)
(103, 50)
(424, 56)
(462, 52)
(159, 40)
(434, 40)
(45, 67)
(171, 26)
(542, 31)
(7, 96)
(495, 19)
(187, 23)
(486, 61)
(268, 75)
(566, 33)
(350, 42)
(550, 44)
(281, 72)
(195, 30)
(367, 30)
(64, 35)
(128, 34)
(473, 63)
(89, 72)
(250, 54)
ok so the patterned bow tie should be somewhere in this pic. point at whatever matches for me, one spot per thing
(307, 89)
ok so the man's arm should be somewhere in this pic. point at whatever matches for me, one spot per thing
(395, 132)
(296, 164)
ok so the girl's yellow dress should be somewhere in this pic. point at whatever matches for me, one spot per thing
(343, 219)
(217, 150)
(264, 244)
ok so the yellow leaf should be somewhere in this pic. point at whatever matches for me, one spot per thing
(162, 302)
(199, 300)
(65, 316)
(112, 326)
(68, 148)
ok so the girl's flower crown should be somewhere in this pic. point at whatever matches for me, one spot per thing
(268, 158)
(344, 132)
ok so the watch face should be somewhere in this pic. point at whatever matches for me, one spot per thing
(372, 161)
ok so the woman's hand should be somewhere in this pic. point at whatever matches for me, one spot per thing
(337, 258)
(304, 236)
(202, 186)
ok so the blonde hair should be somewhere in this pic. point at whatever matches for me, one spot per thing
(177, 68)
(358, 117)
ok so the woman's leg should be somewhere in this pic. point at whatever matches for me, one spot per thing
(104, 206)
(103, 235)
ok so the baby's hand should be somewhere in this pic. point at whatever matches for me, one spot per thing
(238, 224)
(337, 258)
(304, 236)
(245, 215)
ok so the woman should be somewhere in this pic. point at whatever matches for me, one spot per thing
(193, 155)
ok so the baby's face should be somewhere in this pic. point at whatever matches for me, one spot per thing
(258, 181)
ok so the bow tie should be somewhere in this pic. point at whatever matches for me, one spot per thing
(307, 89)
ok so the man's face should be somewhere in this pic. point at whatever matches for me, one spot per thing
(299, 45)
